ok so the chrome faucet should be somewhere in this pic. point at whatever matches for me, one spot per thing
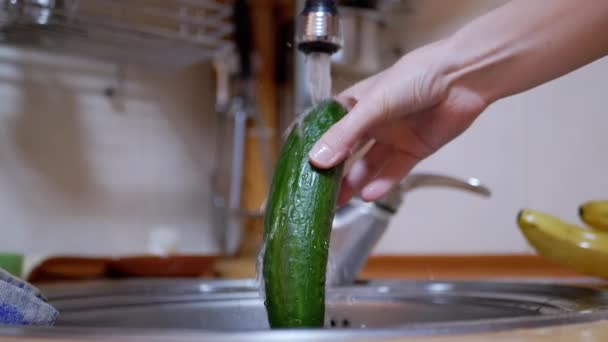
(358, 225)
(318, 27)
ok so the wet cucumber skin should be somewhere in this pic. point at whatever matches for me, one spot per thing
(297, 225)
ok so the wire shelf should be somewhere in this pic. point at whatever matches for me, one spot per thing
(158, 33)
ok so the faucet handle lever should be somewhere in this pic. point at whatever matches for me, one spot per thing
(418, 180)
(393, 199)
(356, 229)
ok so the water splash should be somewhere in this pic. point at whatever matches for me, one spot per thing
(260, 271)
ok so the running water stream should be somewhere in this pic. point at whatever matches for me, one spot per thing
(318, 76)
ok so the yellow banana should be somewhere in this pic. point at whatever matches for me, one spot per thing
(595, 214)
(580, 249)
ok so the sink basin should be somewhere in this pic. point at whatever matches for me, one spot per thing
(235, 309)
(238, 306)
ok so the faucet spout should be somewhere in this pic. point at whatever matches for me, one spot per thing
(318, 27)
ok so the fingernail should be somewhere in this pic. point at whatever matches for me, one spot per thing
(322, 154)
(375, 189)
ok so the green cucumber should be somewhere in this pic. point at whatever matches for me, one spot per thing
(297, 225)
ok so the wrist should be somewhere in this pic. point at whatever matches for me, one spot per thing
(474, 68)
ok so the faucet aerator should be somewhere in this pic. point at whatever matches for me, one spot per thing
(318, 28)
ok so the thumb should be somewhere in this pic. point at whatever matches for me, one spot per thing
(335, 145)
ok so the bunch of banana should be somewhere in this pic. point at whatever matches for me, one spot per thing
(582, 249)
(595, 214)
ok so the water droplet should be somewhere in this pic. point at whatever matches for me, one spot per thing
(383, 289)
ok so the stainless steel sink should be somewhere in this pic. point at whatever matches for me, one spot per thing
(234, 310)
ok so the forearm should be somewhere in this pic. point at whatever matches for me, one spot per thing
(526, 43)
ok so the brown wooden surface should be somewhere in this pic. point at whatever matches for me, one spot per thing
(395, 267)
(432, 267)
(463, 266)
(72, 268)
(63, 268)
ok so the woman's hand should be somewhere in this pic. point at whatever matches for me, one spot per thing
(433, 94)
(408, 111)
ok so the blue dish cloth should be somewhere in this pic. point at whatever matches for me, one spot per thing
(23, 304)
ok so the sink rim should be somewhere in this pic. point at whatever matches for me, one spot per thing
(579, 313)
(134, 292)
(414, 330)
(87, 289)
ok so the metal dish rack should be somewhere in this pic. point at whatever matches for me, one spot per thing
(158, 33)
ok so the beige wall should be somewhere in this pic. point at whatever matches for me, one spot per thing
(82, 173)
